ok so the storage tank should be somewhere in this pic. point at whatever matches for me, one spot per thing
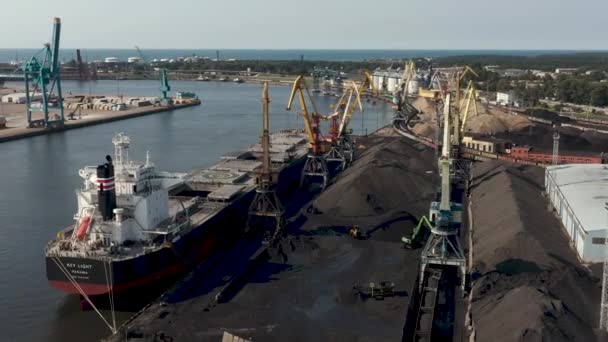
(391, 84)
(133, 60)
(111, 60)
(376, 80)
(413, 87)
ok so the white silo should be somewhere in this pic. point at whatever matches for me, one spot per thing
(391, 84)
(413, 87)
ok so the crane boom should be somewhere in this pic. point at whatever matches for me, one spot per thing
(444, 160)
(471, 95)
(266, 132)
(55, 45)
(298, 85)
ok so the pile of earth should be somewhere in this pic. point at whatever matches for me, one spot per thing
(392, 178)
(486, 121)
(528, 284)
(540, 137)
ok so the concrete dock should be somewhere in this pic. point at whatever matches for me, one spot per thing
(19, 131)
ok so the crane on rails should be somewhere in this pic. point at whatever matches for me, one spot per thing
(42, 79)
(342, 148)
(443, 246)
(266, 205)
(316, 163)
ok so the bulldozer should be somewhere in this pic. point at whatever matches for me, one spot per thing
(412, 241)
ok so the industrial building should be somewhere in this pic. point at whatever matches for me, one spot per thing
(508, 99)
(578, 194)
(486, 144)
(20, 98)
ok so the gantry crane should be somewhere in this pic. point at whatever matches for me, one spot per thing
(458, 76)
(342, 149)
(443, 246)
(316, 163)
(465, 108)
(42, 79)
(266, 203)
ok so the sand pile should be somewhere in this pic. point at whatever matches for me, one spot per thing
(385, 180)
(528, 284)
(425, 129)
(424, 105)
(486, 121)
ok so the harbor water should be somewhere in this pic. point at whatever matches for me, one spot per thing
(38, 177)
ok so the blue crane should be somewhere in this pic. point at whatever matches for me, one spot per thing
(42, 79)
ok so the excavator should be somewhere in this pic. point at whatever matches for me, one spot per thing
(412, 241)
(316, 163)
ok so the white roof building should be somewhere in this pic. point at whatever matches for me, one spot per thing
(578, 194)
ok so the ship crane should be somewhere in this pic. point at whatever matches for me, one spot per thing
(316, 163)
(266, 204)
(42, 79)
(443, 246)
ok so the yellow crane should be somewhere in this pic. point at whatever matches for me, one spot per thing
(316, 163)
(470, 96)
(342, 149)
(400, 97)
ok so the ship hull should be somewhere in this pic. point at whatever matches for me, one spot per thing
(147, 274)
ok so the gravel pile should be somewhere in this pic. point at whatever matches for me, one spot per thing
(528, 284)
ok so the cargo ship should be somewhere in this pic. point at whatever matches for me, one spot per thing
(138, 229)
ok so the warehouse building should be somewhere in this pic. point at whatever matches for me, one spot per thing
(578, 193)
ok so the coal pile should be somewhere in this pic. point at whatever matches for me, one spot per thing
(389, 179)
(528, 284)
(314, 285)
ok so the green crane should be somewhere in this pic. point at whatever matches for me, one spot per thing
(164, 79)
(164, 87)
(411, 241)
(41, 74)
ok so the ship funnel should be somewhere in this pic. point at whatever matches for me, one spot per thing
(105, 189)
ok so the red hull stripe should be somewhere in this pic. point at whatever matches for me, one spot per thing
(97, 289)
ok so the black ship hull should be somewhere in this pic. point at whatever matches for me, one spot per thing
(146, 274)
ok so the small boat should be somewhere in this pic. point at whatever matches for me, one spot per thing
(222, 79)
(238, 80)
(202, 78)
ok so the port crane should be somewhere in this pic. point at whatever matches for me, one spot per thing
(266, 204)
(42, 79)
(316, 163)
(163, 78)
(400, 96)
(470, 97)
(443, 246)
(342, 148)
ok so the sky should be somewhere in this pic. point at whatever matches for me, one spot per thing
(309, 24)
